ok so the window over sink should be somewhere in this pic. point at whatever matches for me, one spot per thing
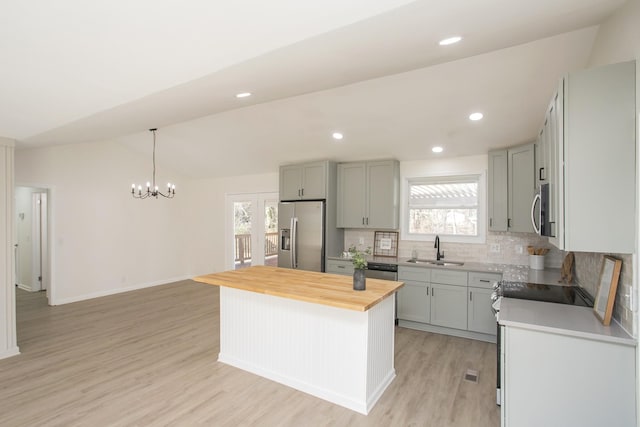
(450, 206)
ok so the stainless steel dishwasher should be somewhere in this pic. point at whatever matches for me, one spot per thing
(378, 270)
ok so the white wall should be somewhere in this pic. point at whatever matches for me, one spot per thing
(102, 240)
(207, 242)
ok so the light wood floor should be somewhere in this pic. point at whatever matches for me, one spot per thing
(148, 357)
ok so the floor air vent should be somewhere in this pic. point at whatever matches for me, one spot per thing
(471, 376)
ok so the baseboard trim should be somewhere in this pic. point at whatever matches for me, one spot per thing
(447, 331)
(10, 353)
(62, 301)
(26, 288)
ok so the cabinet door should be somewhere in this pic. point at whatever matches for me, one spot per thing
(382, 194)
(480, 317)
(351, 195)
(344, 268)
(413, 301)
(449, 306)
(498, 207)
(521, 189)
(314, 179)
(290, 182)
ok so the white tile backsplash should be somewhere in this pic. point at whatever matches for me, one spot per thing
(588, 266)
(469, 252)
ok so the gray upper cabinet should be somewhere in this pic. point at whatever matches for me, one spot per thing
(511, 188)
(368, 194)
(590, 151)
(521, 187)
(498, 207)
(306, 181)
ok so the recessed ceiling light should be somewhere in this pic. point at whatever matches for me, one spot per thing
(243, 95)
(337, 135)
(475, 116)
(450, 40)
(437, 149)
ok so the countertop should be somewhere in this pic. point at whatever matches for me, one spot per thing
(515, 273)
(319, 288)
(561, 319)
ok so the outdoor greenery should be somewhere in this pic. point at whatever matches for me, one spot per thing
(243, 212)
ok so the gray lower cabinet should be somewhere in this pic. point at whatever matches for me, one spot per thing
(414, 301)
(449, 306)
(447, 301)
(480, 317)
(344, 267)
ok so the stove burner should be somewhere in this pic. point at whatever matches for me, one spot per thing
(572, 295)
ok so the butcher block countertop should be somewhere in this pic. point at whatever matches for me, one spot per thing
(319, 288)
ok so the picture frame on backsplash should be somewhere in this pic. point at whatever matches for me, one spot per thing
(606, 296)
(385, 243)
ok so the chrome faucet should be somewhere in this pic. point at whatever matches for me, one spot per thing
(439, 255)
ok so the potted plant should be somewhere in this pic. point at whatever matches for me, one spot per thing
(359, 264)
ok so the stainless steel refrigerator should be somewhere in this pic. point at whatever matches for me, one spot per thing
(301, 235)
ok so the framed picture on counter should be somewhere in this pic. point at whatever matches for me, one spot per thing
(385, 243)
(609, 275)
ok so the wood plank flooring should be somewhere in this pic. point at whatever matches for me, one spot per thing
(148, 358)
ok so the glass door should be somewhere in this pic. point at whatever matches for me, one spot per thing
(254, 230)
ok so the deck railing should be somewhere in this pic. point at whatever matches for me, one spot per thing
(243, 246)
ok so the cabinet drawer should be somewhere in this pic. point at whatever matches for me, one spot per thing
(339, 267)
(414, 273)
(449, 277)
(483, 280)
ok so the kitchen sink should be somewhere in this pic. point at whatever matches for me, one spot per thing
(434, 262)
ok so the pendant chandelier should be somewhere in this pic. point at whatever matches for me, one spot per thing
(152, 188)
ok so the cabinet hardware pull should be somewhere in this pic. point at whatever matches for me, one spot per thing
(341, 266)
(427, 291)
(508, 222)
(540, 175)
(484, 280)
(302, 191)
(470, 296)
(490, 222)
(362, 220)
(367, 220)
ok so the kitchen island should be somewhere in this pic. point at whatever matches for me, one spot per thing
(310, 331)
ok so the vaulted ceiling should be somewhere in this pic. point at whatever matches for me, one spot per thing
(77, 72)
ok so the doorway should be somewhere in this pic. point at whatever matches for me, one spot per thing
(253, 230)
(32, 233)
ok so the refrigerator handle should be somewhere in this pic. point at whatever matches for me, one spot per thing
(294, 242)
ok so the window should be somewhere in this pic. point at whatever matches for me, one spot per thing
(446, 206)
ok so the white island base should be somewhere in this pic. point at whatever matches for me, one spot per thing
(343, 356)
